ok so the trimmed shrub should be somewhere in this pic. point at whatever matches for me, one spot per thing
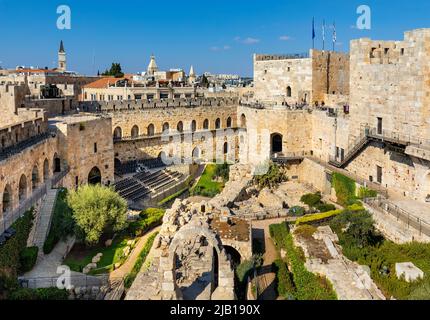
(297, 211)
(52, 294)
(223, 171)
(308, 285)
(39, 294)
(23, 294)
(312, 218)
(149, 218)
(364, 192)
(325, 216)
(325, 207)
(279, 232)
(129, 279)
(284, 279)
(311, 199)
(28, 257)
(10, 252)
(345, 189)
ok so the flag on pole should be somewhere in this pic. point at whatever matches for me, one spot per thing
(334, 35)
(313, 32)
(323, 34)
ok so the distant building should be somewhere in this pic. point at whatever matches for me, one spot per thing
(62, 63)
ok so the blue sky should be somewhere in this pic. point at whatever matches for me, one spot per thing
(216, 36)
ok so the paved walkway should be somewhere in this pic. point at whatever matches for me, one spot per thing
(46, 265)
(419, 209)
(43, 221)
(126, 268)
(266, 278)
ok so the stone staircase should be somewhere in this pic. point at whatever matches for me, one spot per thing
(43, 222)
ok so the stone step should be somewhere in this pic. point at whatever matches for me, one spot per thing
(44, 221)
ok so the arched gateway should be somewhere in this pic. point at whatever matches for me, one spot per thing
(225, 282)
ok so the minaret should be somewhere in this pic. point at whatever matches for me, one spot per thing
(62, 65)
(191, 76)
(152, 67)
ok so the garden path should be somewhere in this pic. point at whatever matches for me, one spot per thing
(266, 278)
(126, 268)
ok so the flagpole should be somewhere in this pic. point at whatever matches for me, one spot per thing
(313, 33)
(323, 34)
(334, 35)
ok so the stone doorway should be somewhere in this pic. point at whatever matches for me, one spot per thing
(276, 143)
(95, 176)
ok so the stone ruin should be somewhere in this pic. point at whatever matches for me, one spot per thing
(188, 252)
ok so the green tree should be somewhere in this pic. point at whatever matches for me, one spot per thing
(97, 210)
(273, 177)
(115, 71)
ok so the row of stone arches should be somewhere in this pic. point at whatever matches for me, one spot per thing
(150, 130)
(28, 183)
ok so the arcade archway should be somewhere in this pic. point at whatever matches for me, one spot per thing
(95, 176)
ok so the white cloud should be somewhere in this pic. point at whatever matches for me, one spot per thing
(248, 40)
(285, 38)
(223, 48)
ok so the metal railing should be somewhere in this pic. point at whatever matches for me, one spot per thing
(412, 221)
(380, 135)
(363, 182)
(279, 157)
(397, 137)
(10, 217)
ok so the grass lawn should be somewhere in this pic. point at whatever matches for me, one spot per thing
(82, 255)
(206, 186)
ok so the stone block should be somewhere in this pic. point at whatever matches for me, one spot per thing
(168, 287)
(409, 271)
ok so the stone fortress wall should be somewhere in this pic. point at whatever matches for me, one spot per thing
(389, 80)
(299, 79)
(204, 127)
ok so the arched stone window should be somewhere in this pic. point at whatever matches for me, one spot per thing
(196, 154)
(117, 133)
(180, 127)
(206, 124)
(150, 130)
(229, 122)
(95, 176)
(218, 123)
(276, 143)
(193, 126)
(135, 131)
(225, 148)
(34, 178)
(243, 121)
(45, 170)
(7, 199)
(166, 127)
(289, 93)
(22, 188)
(56, 163)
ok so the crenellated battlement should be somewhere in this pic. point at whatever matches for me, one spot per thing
(112, 106)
